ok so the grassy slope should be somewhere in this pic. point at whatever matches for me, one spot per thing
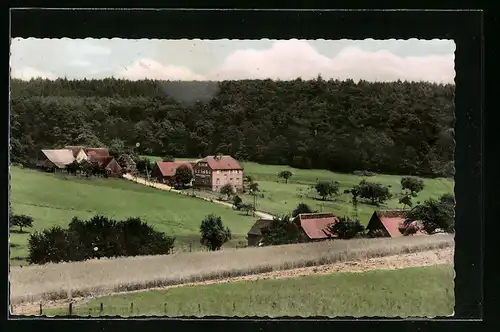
(281, 198)
(53, 200)
(425, 291)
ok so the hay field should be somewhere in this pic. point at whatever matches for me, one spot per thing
(417, 291)
(98, 277)
(53, 200)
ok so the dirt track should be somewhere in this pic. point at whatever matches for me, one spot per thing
(425, 258)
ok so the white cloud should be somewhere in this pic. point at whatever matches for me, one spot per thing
(150, 69)
(27, 73)
(87, 47)
(79, 63)
(295, 58)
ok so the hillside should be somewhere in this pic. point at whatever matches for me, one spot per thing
(393, 128)
(55, 200)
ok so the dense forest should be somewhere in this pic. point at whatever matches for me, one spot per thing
(397, 127)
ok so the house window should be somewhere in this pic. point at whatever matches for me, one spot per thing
(217, 181)
(231, 179)
(218, 172)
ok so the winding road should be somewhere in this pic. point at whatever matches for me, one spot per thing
(162, 186)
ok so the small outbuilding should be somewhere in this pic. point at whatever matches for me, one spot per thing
(316, 225)
(389, 224)
(254, 235)
(164, 171)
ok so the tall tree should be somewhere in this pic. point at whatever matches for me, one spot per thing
(285, 175)
(213, 233)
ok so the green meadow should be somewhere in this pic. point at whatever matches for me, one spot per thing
(55, 199)
(420, 291)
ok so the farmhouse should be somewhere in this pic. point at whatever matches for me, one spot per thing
(216, 171)
(254, 235)
(109, 163)
(85, 151)
(164, 172)
(315, 225)
(388, 224)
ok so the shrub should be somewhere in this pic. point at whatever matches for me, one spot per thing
(346, 228)
(282, 230)
(406, 201)
(301, 208)
(434, 214)
(364, 173)
(237, 201)
(168, 158)
(213, 233)
(227, 190)
(20, 220)
(95, 238)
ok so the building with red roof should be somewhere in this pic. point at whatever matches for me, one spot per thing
(388, 224)
(316, 225)
(216, 171)
(164, 171)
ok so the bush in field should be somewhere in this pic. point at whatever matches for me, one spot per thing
(346, 228)
(301, 208)
(95, 238)
(227, 190)
(327, 189)
(20, 220)
(375, 192)
(282, 230)
(213, 233)
(144, 166)
(406, 201)
(237, 201)
(434, 214)
(412, 184)
(246, 207)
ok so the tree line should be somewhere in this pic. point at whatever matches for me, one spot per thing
(396, 127)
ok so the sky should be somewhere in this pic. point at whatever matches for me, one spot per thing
(195, 59)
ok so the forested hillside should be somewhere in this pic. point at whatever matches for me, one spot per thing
(397, 127)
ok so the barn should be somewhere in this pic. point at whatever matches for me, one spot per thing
(254, 235)
(386, 223)
(55, 159)
(316, 225)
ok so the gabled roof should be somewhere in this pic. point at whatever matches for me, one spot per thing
(257, 227)
(315, 225)
(168, 168)
(392, 220)
(222, 163)
(104, 152)
(60, 158)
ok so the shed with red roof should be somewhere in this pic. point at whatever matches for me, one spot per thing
(316, 225)
(389, 224)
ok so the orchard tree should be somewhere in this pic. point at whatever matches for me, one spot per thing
(285, 175)
(301, 208)
(227, 190)
(20, 220)
(213, 233)
(406, 201)
(412, 184)
(327, 189)
(183, 175)
(375, 192)
(346, 228)
(247, 208)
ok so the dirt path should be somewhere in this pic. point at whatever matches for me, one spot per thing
(161, 186)
(424, 258)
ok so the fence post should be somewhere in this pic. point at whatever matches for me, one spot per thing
(40, 308)
(101, 308)
(234, 306)
(165, 308)
(71, 308)
(199, 308)
(131, 307)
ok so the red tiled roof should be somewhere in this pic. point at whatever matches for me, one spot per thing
(99, 151)
(222, 163)
(168, 168)
(315, 225)
(392, 225)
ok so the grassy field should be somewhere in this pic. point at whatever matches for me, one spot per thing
(422, 291)
(99, 277)
(54, 200)
(281, 198)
